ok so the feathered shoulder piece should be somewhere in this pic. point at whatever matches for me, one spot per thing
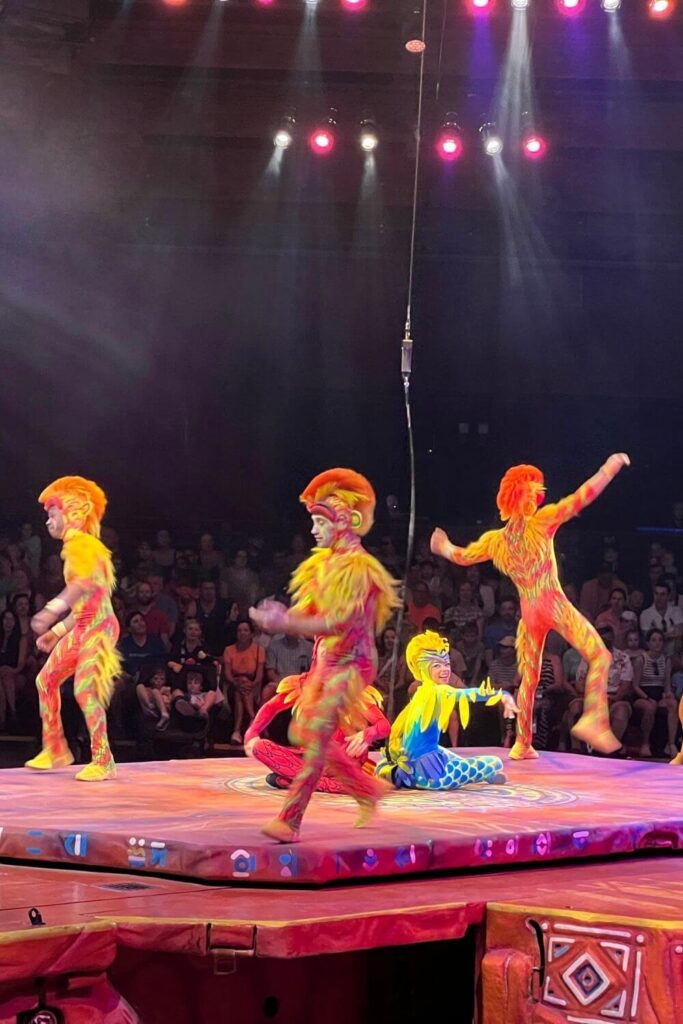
(338, 585)
(86, 558)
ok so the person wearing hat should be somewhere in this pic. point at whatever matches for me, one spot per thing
(343, 597)
(619, 687)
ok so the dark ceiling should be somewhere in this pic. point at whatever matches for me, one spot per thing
(212, 324)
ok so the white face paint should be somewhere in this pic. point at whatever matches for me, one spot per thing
(323, 531)
(55, 522)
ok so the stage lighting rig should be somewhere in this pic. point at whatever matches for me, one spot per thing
(284, 135)
(610, 6)
(449, 144)
(413, 36)
(491, 141)
(323, 138)
(369, 139)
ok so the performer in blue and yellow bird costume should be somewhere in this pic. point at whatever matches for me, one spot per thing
(413, 758)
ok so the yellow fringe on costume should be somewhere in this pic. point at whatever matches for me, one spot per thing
(338, 585)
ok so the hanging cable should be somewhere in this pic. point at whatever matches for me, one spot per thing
(406, 369)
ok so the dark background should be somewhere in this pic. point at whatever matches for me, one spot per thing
(201, 337)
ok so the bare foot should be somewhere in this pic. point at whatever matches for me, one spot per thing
(280, 831)
(678, 759)
(599, 737)
(520, 752)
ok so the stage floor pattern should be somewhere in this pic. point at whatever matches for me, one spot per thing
(201, 820)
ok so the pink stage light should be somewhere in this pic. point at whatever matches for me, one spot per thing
(660, 8)
(174, 3)
(449, 146)
(570, 7)
(534, 146)
(481, 6)
(353, 5)
(321, 141)
(265, 3)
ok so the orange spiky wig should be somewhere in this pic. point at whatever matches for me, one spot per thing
(342, 489)
(515, 497)
(82, 501)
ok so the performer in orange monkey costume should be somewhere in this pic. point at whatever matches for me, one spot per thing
(286, 762)
(342, 596)
(523, 550)
(78, 628)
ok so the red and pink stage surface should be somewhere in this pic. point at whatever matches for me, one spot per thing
(556, 898)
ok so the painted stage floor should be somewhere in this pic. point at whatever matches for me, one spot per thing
(201, 819)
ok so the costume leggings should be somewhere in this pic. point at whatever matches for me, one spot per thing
(580, 635)
(286, 762)
(314, 731)
(71, 657)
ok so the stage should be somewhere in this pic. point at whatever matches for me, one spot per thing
(201, 819)
(561, 892)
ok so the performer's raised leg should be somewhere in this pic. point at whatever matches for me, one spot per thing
(593, 727)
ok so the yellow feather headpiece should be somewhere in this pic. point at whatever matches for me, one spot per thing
(82, 501)
(423, 648)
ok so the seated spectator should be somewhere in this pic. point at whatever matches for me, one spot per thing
(190, 647)
(619, 689)
(595, 592)
(157, 624)
(240, 583)
(618, 616)
(287, 655)
(216, 617)
(503, 671)
(388, 556)
(138, 645)
(504, 625)
(145, 562)
(482, 593)
(571, 659)
(552, 699)
(164, 552)
(655, 573)
(21, 606)
(210, 559)
(635, 602)
(299, 549)
(162, 600)
(273, 578)
(428, 575)
(385, 652)
(118, 603)
(414, 578)
(472, 650)
(31, 548)
(664, 616)
(154, 694)
(244, 665)
(6, 582)
(654, 694)
(13, 650)
(194, 697)
(466, 611)
(420, 607)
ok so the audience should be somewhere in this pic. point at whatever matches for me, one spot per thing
(187, 644)
(244, 665)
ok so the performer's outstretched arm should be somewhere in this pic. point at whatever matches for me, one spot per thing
(273, 617)
(477, 551)
(575, 503)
